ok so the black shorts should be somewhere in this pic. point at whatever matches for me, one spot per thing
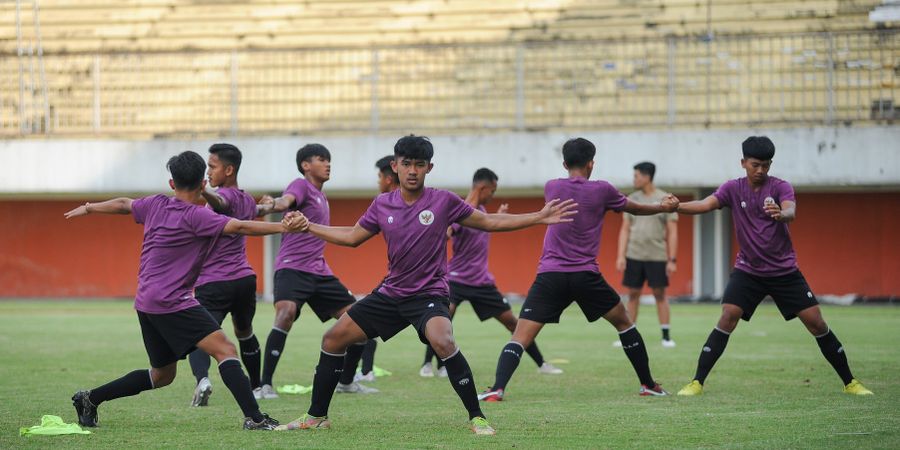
(487, 301)
(325, 295)
(170, 337)
(637, 272)
(553, 292)
(790, 292)
(380, 315)
(237, 297)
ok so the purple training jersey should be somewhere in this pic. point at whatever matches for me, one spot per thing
(573, 246)
(228, 258)
(303, 251)
(766, 248)
(469, 264)
(416, 237)
(178, 237)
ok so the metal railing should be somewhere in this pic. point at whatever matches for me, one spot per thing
(675, 82)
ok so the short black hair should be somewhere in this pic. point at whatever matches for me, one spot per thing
(384, 166)
(309, 151)
(187, 169)
(759, 147)
(414, 147)
(484, 174)
(646, 168)
(578, 152)
(228, 154)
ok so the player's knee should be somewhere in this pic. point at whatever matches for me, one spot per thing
(443, 346)
(817, 328)
(334, 340)
(162, 377)
(224, 351)
(285, 313)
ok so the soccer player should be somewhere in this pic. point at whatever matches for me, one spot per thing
(568, 270)
(388, 181)
(414, 221)
(469, 276)
(761, 208)
(301, 273)
(178, 236)
(647, 249)
(227, 283)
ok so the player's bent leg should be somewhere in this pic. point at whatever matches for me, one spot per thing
(251, 356)
(510, 356)
(343, 334)
(508, 319)
(285, 315)
(832, 349)
(222, 350)
(352, 357)
(439, 333)
(135, 382)
(713, 348)
(635, 350)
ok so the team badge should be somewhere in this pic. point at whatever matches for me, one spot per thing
(426, 217)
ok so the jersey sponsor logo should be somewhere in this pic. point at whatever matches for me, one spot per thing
(426, 217)
(390, 219)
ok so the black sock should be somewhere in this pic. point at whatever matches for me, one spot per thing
(665, 333)
(233, 377)
(460, 375)
(328, 373)
(833, 351)
(251, 358)
(274, 349)
(134, 383)
(634, 347)
(368, 356)
(535, 354)
(712, 350)
(351, 360)
(429, 355)
(507, 364)
(199, 364)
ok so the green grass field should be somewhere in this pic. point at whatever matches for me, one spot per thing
(771, 389)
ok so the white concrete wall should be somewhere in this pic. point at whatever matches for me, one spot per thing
(813, 157)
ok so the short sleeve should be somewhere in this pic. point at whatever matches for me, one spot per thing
(457, 208)
(141, 207)
(298, 189)
(723, 193)
(205, 222)
(231, 197)
(784, 191)
(369, 219)
(454, 229)
(614, 199)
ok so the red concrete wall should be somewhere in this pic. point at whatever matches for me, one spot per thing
(841, 249)
(847, 243)
(44, 255)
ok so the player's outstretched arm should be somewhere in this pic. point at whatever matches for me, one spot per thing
(554, 211)
(347, 236)
(706, 205)
(269, 205)
(292, 223)
(668, 204)
(218, 203)
(121, 205)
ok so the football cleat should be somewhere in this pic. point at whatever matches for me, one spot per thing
(491, 395)
(549, 369)
(668, 343)
(427, 370)
(202, 392)
(655, 391)
(266, 392)
(355, 388)
(87, 411)
(856, 388)
(693, 388)
(307, 422)
(481, 427)
(267, 424)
